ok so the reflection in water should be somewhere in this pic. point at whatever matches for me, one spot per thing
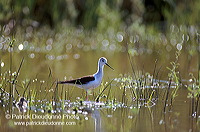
(95, 114)
(97, 120)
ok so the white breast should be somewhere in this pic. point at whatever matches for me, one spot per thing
(95, 83)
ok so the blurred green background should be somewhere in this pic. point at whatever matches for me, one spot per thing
(148, 30)
(101, 14)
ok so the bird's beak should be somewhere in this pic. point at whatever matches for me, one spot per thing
(109, 66)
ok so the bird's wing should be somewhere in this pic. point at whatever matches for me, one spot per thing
(79, 81)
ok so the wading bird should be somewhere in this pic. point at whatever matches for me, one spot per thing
(91, 81)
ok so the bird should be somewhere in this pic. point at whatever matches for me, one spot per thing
(90, 81)
(22, 105)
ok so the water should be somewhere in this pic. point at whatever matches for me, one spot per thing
(42, 69)
(142, 119)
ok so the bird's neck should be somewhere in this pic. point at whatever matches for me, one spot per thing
(99, 72)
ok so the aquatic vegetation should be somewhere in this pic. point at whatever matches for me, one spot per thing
(194, 95)
(173, 77)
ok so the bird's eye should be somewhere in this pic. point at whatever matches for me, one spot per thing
(102, 60)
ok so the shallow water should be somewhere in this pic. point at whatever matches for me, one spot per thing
(42, 70)
(126, 118)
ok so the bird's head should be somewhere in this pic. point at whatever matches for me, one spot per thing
(103, 61)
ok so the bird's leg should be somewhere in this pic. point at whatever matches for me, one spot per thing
(86, 95)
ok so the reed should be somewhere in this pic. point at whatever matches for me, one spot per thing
(101, 93)
(10, 75)
(167, 95)
(194, 95)
(144, 85)
(175, 78)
